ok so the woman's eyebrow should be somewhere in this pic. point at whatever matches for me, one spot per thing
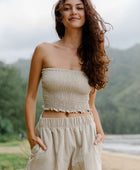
(75, 4)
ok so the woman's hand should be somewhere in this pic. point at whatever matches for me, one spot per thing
(36, 140)
(99, 137)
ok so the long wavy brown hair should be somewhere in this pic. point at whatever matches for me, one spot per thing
(94, 60)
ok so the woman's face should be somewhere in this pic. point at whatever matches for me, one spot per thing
(73, 13)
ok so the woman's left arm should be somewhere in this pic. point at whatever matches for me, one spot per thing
(99, 129)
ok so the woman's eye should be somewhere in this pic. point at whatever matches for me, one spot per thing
(80, 8)
(66, 9)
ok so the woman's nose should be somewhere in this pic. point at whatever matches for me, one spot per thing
(74, 11)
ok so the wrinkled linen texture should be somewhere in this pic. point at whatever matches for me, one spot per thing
(70, 145)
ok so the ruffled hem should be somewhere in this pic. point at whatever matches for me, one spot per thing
(68, 111)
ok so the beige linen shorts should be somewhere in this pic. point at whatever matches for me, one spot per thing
(70, 144)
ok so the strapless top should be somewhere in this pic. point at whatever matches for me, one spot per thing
(65, 90)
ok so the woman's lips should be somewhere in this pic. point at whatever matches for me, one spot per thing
(74, 19)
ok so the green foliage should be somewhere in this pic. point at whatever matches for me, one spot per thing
(9, 137)
(12, 161)
(12, 100)
(13, 93)
(6, 126)
(118, 104)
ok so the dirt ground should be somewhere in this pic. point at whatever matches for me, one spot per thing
(119, 161)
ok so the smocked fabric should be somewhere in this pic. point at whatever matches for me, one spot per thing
(65, 90)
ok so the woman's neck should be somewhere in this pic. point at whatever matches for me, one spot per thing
(72, 38)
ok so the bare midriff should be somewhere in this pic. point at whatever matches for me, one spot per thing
(55, 114)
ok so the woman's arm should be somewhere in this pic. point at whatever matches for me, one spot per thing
(30, 101)
(99, 129)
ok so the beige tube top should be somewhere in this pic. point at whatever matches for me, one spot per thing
(65, 90)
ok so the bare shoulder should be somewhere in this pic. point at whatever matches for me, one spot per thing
(42, 46)
(46, 45)
(46, 48)
(41, 50)
(46, 52)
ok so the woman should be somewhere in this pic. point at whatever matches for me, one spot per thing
(68, 134)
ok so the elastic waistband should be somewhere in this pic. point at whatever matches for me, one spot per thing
(66, 121)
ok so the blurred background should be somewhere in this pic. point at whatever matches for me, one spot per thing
(25, 24)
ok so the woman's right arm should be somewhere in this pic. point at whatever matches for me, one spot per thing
(30, 101)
